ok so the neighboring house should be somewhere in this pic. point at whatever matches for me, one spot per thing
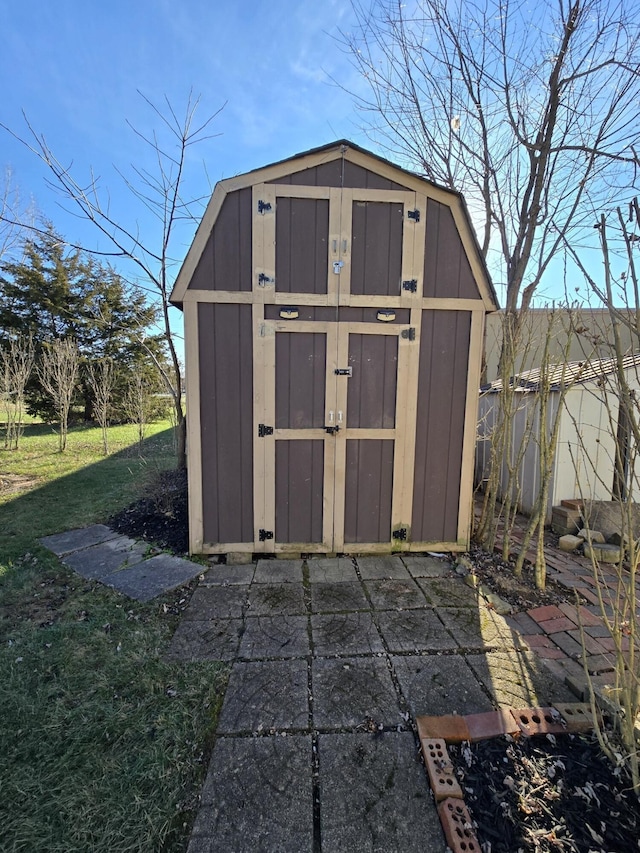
(334, 315)
(584, 465)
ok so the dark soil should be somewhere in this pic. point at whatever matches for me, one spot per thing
(547, 794)
(161, 517)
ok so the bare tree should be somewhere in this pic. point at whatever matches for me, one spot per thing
(58, 373)
(14, 215)
(101, 378)
(137, 404)
(16, 363)
(158, 191)
(531, 114)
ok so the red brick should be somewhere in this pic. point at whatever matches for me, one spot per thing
(555, 626)
(440, 769)
(590, 596)
(597, 664)
(569, 646)
(452, 728)
(458, 827)
(573, 503)
(543, 614)
(491, 724)
(609, 644)
(538, 641)
(592, 645)
(577, 715)
(554, 653)
(538, 721)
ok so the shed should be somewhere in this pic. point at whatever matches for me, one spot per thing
(585, 458)
(334, 311)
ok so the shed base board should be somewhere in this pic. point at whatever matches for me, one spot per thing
(286, 551)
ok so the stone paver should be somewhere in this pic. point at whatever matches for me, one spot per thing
(332, 570)
(225, 575)
(414, 630)
(345, 634)
(395, 594)
(427, 567)
(439, 684)
(278, 571)
(449, 592)
(517, 679)
(275, 636)
(257, 797)
(375, 796)
(150, 578)
(217, 602)
(98, 561)
(76, 540)
(276, 599)
(336, 598)
(478, 628)
(349, 691)
(265, 695)
(213, 639)
(381, 568)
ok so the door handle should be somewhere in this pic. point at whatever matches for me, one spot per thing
(333, 428)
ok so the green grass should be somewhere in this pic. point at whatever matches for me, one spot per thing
(102, 743)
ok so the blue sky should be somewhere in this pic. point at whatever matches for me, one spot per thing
(74, 68)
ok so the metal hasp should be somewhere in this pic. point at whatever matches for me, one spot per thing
(263, 430)
(409, 334)
(343, 371)
(263, 535)
(414, 214)
(264, 279)
(263, 206)
(411, 285)
(332, 430)
(401, 533)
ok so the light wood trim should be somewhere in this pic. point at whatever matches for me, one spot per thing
(353, 433)
(299, 434)
(323, 300)
(465, 508)
(194, 433)
(227, 548)
(376, 328)
(314, 326)
(269, 510)
(299, 191)
(302, 547)
(330, 441)
(241, 297)
(439, 547)
(340, 439)
(364, 301)
(334, 247)
(406, 197)
(344, 246)
(192, 259)
(259, 376)
(282, 170)
(264, 259)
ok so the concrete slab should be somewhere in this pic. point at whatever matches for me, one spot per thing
(517, 679)
(396, 594)
(441, 684)
(480, 628)
(276, 599)
(265, 695)
(151, 578)
(98, 561)
(227, 575)
(427, 567)
(375, 796)
(345, 634)
(414, 630)
(333, 598)
(75, 540)
(217, 602)
(449, 592)
(275, 637)
(349, 691)
(381, 568)
(332, 570)
(278, 571)
(215, 639)
(257, 796)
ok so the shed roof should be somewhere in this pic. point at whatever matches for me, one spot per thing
(566, 373)
(298, 162)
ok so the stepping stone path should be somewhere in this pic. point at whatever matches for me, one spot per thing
(98, 553)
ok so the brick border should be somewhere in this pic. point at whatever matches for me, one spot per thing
(435, 732)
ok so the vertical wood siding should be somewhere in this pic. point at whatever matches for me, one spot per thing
(338, 173)
(302, 234)
(226, 419)
(446, 268)
(371, 392)
(368, 492)
(444, 353)
(226, 261)
(299, 496)
(376, 253)
(300, 379)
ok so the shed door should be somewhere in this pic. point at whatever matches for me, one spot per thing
(335, 367)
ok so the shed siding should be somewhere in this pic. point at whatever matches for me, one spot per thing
(300, 379)
(226, 260)
(376, 261)
(302, 236)
(339, 173)
(226, 418)
(299, 481)
(444, 353)
(371, 394)
(369, 483)
(447, 272)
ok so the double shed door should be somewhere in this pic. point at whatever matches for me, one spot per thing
(336, 322)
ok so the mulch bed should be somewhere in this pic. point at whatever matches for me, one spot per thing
(553, 793)
(161, 517)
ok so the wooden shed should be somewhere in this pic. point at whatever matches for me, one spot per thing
(334, 312)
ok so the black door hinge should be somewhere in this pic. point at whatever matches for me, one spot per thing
(264, 279)
(263, 535)
(411, 285)
(414, 214)
(264, 206)
(343, 371)
(401, 533)
(263, 430)
(409, 334)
